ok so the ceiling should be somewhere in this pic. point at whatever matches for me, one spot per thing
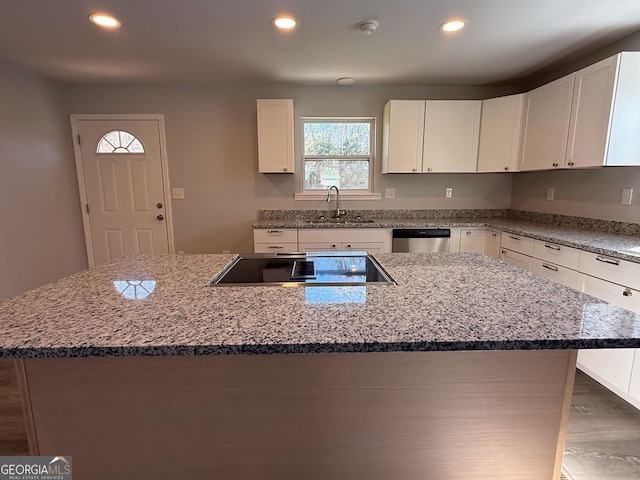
(233, 41)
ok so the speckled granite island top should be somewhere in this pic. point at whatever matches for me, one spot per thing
(441, 302)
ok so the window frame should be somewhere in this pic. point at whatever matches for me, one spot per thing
(361, 194)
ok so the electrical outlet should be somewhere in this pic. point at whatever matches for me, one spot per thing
(627, 194)
(448, 193)
(389, 193)
(177, 193)
(550, 193)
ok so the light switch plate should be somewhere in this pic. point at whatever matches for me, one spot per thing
(448, 193)
(389, 193)
(177, 193)
(627, 195)
(550, 193)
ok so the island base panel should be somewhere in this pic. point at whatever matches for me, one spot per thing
(405, 416)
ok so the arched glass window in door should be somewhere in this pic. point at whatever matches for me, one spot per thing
(119, 141)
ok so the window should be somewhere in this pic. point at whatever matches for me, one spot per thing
(119, 141)
(338, 151)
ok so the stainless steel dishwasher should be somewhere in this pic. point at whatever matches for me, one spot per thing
(423, 240)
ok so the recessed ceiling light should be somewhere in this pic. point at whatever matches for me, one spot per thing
(453, 25)
(346, 81)
(285, 22)
(104, 20)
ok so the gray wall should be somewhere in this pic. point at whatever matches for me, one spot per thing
(212, 153)
(41, 235)
(584, 193)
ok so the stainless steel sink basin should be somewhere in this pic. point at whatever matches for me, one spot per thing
(341, 220)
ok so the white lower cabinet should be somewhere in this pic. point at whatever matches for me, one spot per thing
(472, 240)
(492, 244)
(275, 240)
(371, 240)
(557, 273)
(516, 259)
(614, 367)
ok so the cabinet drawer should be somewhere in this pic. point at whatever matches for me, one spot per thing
(275, 247)
(275, 235)
(557, 273)
(516, 259)
(558, 254)
(517, 243)
(611, 292)
(339, 235)
(611, 269)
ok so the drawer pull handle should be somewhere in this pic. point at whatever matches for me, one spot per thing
(275, 246)
(550, 267)
(552, 247)
(627, 292)
(468, 232)
(513, 238)
(608, 261)
(275, 231)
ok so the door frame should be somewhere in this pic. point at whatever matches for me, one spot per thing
(75, 118)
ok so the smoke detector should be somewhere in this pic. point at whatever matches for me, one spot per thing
(367, 27)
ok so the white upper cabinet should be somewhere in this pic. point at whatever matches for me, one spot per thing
(547, 111)
(605, 114)
(275, 136)
(500, 128)
(430, 136)
(402, 136)
(451, 133)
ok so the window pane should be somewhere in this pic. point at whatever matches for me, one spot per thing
(344, 174)
(333, 138)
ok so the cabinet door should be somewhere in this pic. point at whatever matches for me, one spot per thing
(369, 247)
(591, 113)
(557, 273)
(516, 259)
(472, 240)
(492, 244)
(275, 135)
(546, 125)
(623, 147)
(402, 136)
(500, 127)
(609, 366)
(318, 247)
(451, 135)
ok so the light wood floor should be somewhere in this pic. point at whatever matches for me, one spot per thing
(603, 438)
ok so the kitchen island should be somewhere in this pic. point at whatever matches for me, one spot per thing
(462, 370)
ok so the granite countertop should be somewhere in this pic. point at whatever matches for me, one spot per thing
(442, 302)
(625, 247)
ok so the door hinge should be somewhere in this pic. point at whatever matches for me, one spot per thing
(78, 139)
(86, 206)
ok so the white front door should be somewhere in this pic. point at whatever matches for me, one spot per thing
(121, 173)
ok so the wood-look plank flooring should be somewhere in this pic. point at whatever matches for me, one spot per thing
(603, 437)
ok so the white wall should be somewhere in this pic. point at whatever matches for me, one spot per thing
(41, 236)
(212, 153)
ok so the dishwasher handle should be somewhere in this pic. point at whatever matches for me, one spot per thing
(422, 233)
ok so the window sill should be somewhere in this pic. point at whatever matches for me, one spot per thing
(343, 196)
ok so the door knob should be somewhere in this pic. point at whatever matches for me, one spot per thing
(159, 205)
(160, 217)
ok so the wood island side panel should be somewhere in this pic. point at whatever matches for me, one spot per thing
(375, 416)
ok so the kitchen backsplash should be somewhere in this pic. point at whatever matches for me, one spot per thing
(599, 225)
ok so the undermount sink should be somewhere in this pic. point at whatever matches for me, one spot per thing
(340, 220)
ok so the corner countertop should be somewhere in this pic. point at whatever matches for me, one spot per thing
(624, 247)
(442, 302)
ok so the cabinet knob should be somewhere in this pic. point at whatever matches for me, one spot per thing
(284, 169)
(468, 232)
(627, 292)
(333, 246)
(571, 164)
(160, 217)
(414, 169)
(506, 168)
(555, 165)
(158, 205)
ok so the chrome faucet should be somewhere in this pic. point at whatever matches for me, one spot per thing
(338, 213)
